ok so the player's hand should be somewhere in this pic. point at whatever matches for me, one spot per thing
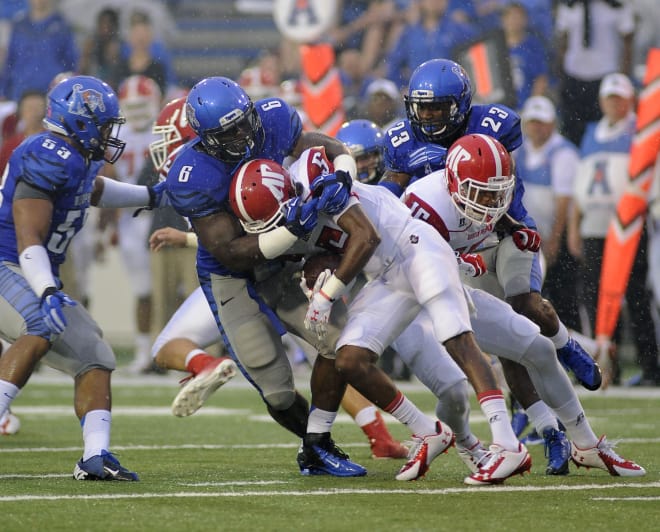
(526, 239)
(471, 264)
(167, 236)
(320, 280)
(301, 217)
(605, 357)
(157, 198)
(52, 307)
(332, 190)
(318, 312)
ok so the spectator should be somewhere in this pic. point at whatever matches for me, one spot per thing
(601, 179)
(41, 45)
(101, 51)
(546, 163)
(354, 82)
(140, 57)
(8, 10)
(529, 65)
(262, 80)
(433, 36)
(31, 111)
(383, 103)
(595, 39)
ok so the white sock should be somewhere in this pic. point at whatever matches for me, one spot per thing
(561, 338)
(412, 417)
(577, 425)
(8, 392)
(494, 408)
(193, 354)
(320, 421)
(96, 432)
(542, 417)
(365, 416)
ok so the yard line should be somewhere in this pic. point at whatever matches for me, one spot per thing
(330, 492)
(625, 498)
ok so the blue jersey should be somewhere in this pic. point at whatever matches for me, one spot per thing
(198, 183)
(47, 162)
(408, 153)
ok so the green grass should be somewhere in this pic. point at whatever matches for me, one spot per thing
(230, 468)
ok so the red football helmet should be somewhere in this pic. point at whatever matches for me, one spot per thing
(480, 178)
(258, 191)
(139, 99)
(173, 130)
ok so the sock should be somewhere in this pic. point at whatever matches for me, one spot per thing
(411, 416)
(577, 425)
(542, 417)
(143, 348)
(96, 432)
(561, 338)
(320, 421)
(8, 392)
(365, 416)
(196, 360)
(494, 407)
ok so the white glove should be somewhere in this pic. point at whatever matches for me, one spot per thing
(320, 280)
(318, 312)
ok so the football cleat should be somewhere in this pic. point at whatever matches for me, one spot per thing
(424, 451)
(474, 457)
(519, 419)
(557, 451)
(103, 466)
(586, 370)
(381, 441)
(318, 455)
(532, 438)
(501, 464)
(9, 424)
(197, 389)
(602, 456)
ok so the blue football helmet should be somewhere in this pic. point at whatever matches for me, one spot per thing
(438, 100)
(365, 140)
(86, 109)
(224, 118)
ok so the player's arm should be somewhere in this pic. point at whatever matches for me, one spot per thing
(395, 182)
(336, 151)
(171, 237)
(109, 192)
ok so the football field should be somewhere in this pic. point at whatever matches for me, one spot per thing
(230, 467)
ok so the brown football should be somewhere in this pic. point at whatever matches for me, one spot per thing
(315, 264)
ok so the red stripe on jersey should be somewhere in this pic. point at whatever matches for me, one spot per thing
(423, 211)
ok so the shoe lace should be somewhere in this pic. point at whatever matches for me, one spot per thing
(607, 447)
(553, 446)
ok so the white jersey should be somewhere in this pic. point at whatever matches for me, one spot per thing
(428, 199)
(135, 156)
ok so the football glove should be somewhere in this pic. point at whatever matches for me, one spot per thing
(52, 307)
(301, 217)
(157, 198)
(318, 311)
(332, 190)
(471, 264)
(526, 239)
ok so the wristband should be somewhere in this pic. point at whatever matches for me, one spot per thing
(273, 243)
(191, 240)
(333, 288)
(36, 268)
(345, 163)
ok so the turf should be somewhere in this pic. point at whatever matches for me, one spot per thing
(229, 467)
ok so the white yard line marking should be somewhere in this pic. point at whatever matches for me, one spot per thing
(625, 499)
(330, 492)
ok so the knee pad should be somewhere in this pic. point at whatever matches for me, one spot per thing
(454, 403)
(540, 353)
(280, 400)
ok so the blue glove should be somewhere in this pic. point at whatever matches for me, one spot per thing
(52, 307)
(157, 198)
(332, 190)
(301, 217)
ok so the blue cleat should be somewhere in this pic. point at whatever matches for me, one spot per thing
(318, 455)
(532, 438)
(103, 466)
(557, 451)
(587, 372)
(519, 419)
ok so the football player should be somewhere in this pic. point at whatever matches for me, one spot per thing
(463, 203)
(365, 141)
(50, 182)
(439, 109)
(192, 327)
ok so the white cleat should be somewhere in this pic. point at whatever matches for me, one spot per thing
(9, 424)
(602, 456)
(197, 390)
(501, 464)
(424, 451)
(474, 457)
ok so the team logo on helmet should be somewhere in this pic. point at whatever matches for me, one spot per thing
(190, 115)
(85, 101)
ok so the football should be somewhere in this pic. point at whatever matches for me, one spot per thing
(315, 264)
